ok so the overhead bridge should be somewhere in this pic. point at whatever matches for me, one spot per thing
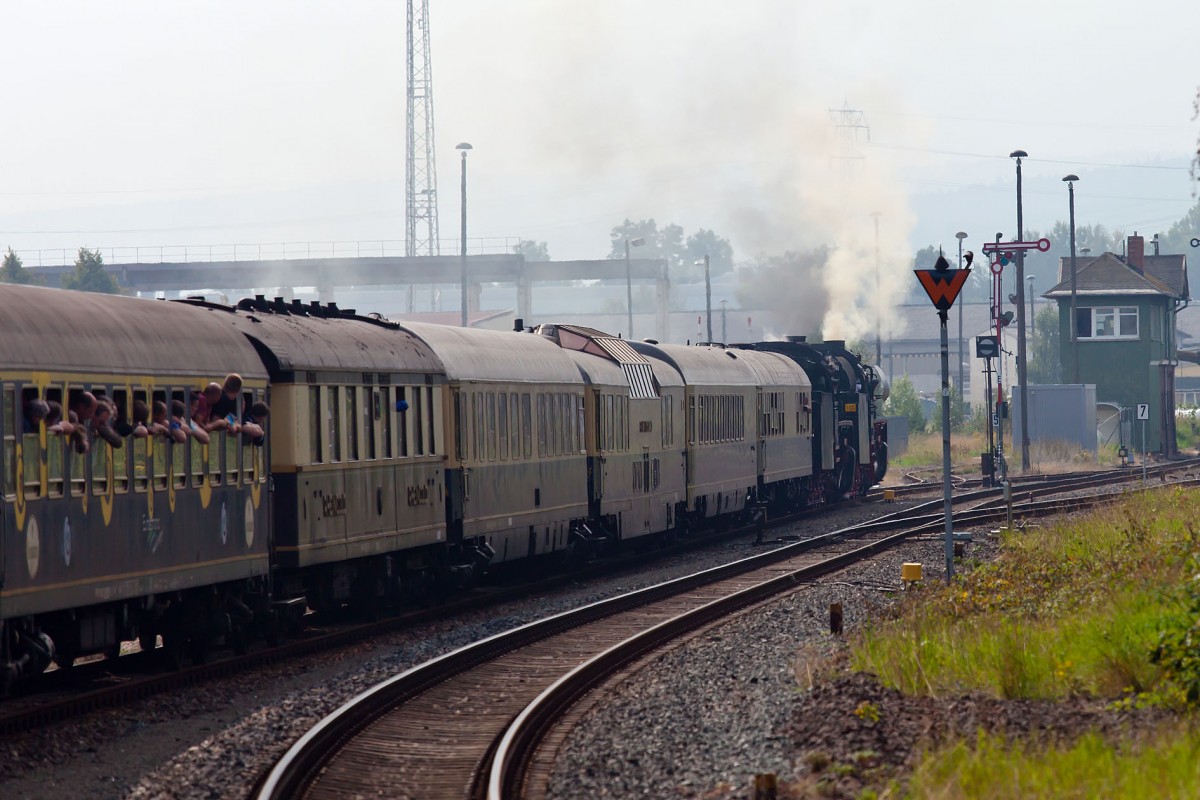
(365, 271)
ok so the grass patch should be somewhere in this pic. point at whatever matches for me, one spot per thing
(925, 450)
(1166, 766)
(1070, 609)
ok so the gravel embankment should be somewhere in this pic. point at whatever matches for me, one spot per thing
(213, 740)
(703, 718)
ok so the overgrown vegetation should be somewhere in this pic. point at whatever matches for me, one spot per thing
(996, 769)
(925, 450)
(1107, 607)
(1069, 608)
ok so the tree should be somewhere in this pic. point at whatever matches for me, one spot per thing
(12, 271)
(668, 243)
(905, 402)
(533, 251)
(1045, 357)
(89, 275)
(706, 243)
(1178, 239)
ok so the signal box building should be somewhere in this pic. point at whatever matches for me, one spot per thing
(1125, 309)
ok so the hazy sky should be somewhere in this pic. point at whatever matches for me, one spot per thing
(133, 123)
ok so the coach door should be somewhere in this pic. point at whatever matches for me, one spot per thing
(456, 477)
(763, 420)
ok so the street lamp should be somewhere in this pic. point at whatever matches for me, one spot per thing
(463, 148)
(960, 236)
(707, 294)
(637, 242)
(879, 300)
(1070, 181)
(1032, 315)
(1022, 373)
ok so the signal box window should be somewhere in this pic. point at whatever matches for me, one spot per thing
(1107, 322)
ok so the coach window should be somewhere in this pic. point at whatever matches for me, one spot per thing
(8, 410)
(502, 424)
(316, 452)
(541, 424)
(162, 448)
(197, 453)
(370, 413)
(54, 450)
(99, 458)
(351, 393)
(430, 428)
(141, 448)
(179, 452)
(31, 441)
(247, 445)
(386, 409)
(526, 426)
(459, 410)
(580, 425)
(402, 422)
(574, 411)
(416, 413)
(567, 423)
(514, 425)
(216, 441)
(120, 455)
(491, 426)
(478, 414)
(333, 424)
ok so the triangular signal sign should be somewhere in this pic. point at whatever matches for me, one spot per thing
(942, 286)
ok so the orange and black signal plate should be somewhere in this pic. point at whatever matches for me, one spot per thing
(942, 286)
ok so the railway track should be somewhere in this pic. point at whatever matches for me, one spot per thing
(470, 724)
(69, 695)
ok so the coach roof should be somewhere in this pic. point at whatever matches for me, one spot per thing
(300, 342)
(92, 332)
(471, 354)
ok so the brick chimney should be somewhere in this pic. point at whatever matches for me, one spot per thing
(1136, 253)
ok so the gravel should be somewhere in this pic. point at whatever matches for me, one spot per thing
(703, 718)
(717, 716)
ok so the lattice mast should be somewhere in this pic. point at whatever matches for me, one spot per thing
(421, 237)
(851, 128)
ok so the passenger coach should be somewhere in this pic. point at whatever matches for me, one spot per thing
(139, 536)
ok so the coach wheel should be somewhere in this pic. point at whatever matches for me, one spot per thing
(238, 639)
(148, 639)
(65, 654)
(198, 649)
(172, 651)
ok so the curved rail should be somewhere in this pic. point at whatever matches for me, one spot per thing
(515, 753)
(307, 757)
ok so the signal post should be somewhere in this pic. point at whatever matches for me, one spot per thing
(943, 285)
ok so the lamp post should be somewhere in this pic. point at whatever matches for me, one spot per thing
(961, 378)
(636, 242)
(724, 331)
(707, 294)
(1022, 372)
(1070, 181)
(463, 148)
(1032, 315)
(879, 299)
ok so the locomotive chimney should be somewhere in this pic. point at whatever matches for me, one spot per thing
(796, 339)
(518, 325)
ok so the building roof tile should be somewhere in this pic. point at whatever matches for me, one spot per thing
(1109, 274)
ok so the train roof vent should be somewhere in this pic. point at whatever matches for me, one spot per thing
(636, 367)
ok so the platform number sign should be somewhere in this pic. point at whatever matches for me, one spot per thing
(1143, 411)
